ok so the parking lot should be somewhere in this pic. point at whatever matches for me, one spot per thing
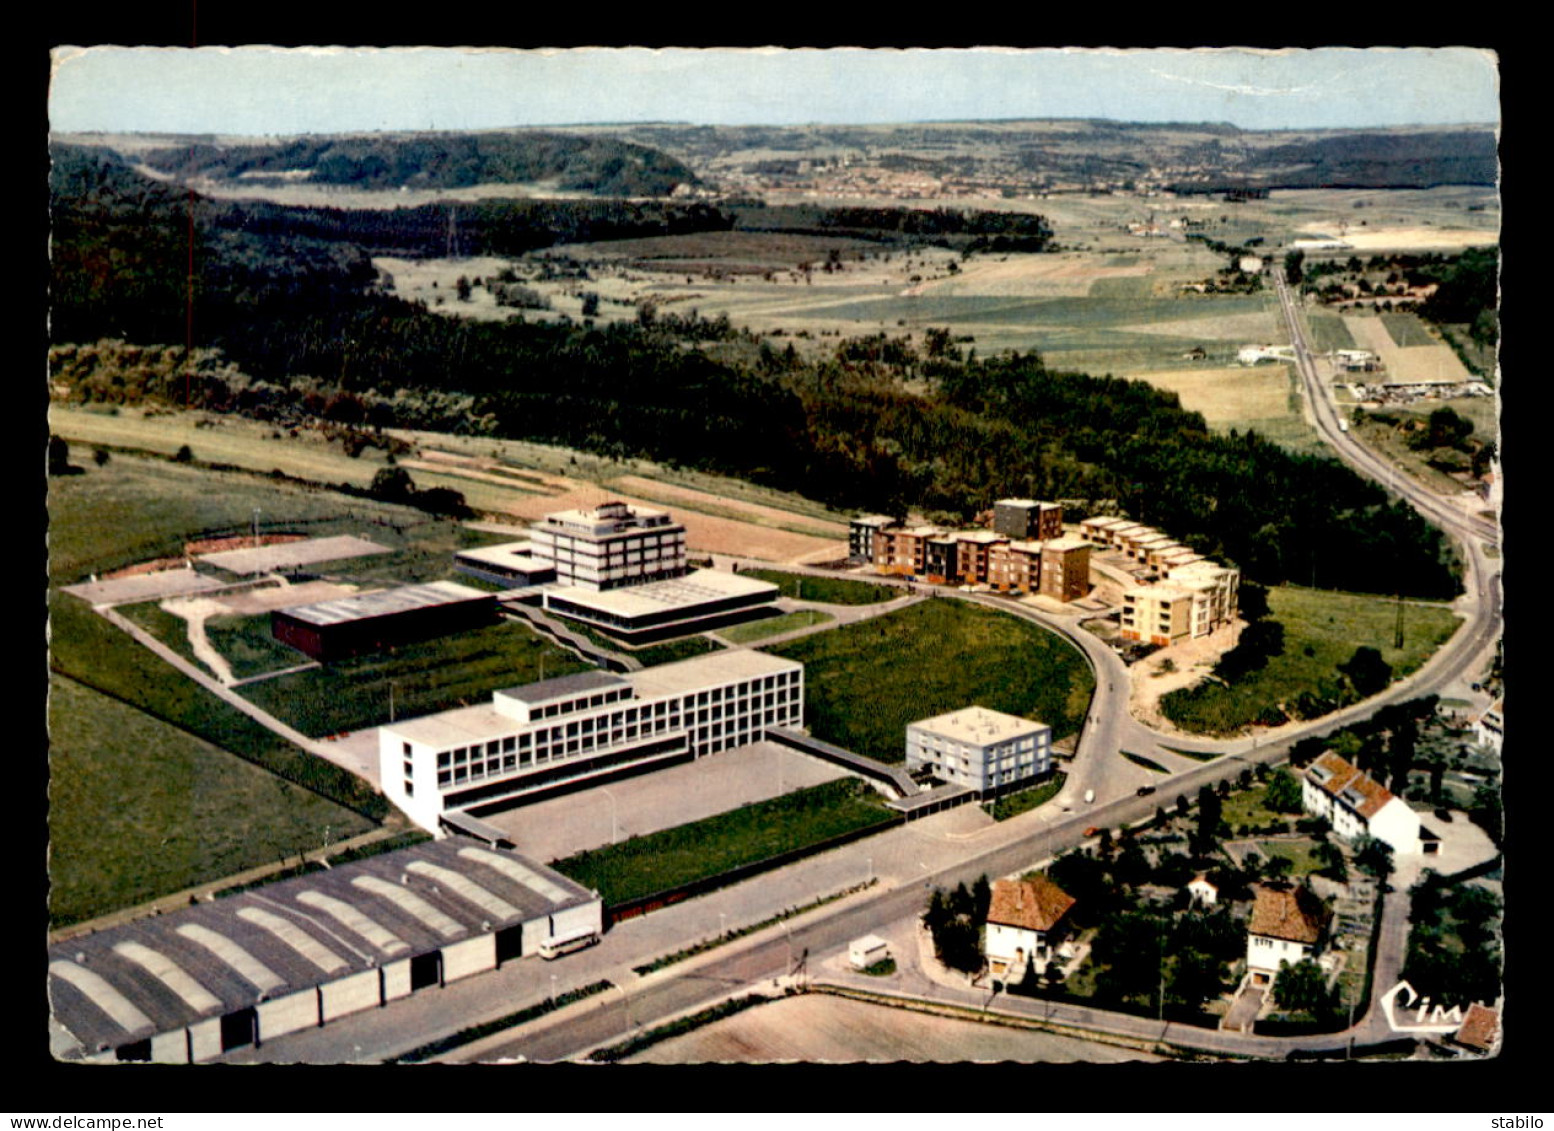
(660, 799)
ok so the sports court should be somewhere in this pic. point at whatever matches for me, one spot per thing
(284, 555)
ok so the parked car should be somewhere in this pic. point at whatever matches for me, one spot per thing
(1145, 790)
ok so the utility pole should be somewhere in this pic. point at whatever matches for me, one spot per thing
(1397, 633)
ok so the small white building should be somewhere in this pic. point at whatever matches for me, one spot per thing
(1288, 924)
(1356, 806)
(985, 751)
(1201, 892)
(867, 951)
(1489, 728)
(1025, 925)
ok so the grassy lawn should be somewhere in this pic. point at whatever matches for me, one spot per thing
(1023, 801)
(88, 649)
(650, 655)
(434, 675)
(1321, 631)
(169, 629)
(1140, 760)
(1328, 331)
(773, 626)
(248, 646)
(139, 808)
(686, 648)
(826, 590)
(1248, 807)
(1298, 852)
(865, 682)
(661, 860)
(1406, 330)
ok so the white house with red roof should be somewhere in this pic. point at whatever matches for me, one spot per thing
(1357, 806)
(1288, 924)
(1025, 924)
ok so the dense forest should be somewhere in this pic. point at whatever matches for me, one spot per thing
(431, 160)
(297, 314)
(962, 229)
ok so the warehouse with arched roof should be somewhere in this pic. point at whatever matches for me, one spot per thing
(191, 984)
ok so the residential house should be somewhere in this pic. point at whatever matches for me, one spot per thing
(1288, 924)
(1026, 924)
(1201, 892)
(1357, 806)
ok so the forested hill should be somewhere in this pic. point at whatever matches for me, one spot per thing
(599, 165)
(879, 425)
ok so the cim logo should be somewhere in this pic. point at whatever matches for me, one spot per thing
(1426, 1019)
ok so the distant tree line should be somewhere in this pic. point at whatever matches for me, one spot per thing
(441, 160)
(299, 313)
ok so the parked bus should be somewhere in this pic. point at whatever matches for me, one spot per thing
(566, 944)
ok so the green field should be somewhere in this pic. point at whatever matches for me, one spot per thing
(826, 590)
(773, 626)
(865, 682)
(434, 675)
(153, 809)
(662, 860)
(1328, 331)
(135, 509)
(88, 649)
(1328, 626)
(169, 629)
(1406, 330)
(248, 646)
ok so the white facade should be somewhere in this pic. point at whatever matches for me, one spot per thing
(1489, 728)
(579, 726)
(610, 545)
(1265, 953)
(865, 952)
(1009, 949)
(980, 749)
(1356, 806)
(1202, 892)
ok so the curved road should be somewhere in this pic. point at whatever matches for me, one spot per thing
(1109, 728)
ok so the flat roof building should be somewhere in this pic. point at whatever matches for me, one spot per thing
(1065, 569)
(541, 737)
(696, 602)
(1158, 614)
(367, 622)
(611, 545)
(512, 564)
(860, 535)
(983, 750)
(203, 980)
(1027, 519)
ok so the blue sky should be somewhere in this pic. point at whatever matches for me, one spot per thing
(301, 90)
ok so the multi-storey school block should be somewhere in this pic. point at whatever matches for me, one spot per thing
(558, 732)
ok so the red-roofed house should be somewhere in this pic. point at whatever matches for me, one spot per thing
(1356, 806)
(1480, 1029)
(1288, 924)
(1025, 924)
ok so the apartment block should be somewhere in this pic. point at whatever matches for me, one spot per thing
(1027, 519)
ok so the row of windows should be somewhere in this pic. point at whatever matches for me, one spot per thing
(599, 699)
(454, 772)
